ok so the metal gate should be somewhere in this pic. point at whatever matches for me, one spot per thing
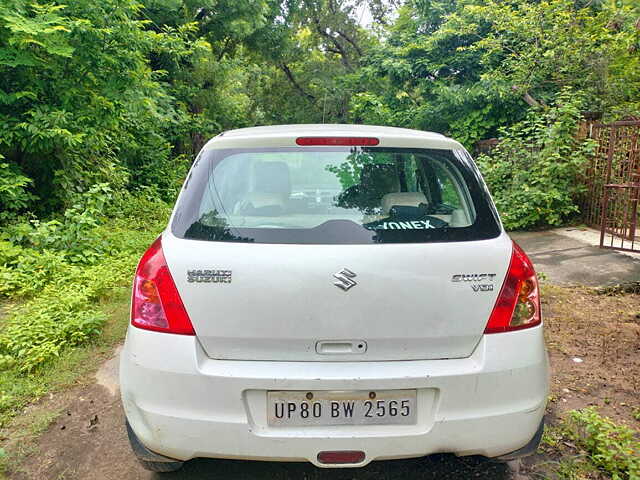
(620, 216)
(613, 184)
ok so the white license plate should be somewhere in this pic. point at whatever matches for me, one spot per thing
(366, 407)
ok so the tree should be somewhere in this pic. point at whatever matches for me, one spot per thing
(469, 67)
(313, 51)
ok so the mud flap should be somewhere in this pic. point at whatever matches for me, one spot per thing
(142, 452)
(529, 449)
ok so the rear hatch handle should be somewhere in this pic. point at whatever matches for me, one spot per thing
(341, 347)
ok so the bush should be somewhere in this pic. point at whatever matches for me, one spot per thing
(74, 234)
(533, 172)
(613, 448)
(13, 191)
(24, 272)
(63, 314)
(53, 324)
(61, 310)
(139, 209)
(61, 268)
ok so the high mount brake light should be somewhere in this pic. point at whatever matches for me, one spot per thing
(338, 141)
(518, 305)
(156, 304)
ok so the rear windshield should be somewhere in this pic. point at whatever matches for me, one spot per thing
(334, 195)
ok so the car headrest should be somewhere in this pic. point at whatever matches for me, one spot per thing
(459, 218)
(271, 177)
(260, 203)
(262, 199)
(409, 199)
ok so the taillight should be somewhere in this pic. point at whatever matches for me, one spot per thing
(518, 305)
(338, 141)
(156, 304)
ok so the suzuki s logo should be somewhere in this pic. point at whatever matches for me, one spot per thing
(345, 279)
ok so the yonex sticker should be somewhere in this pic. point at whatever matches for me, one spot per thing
(413, 225)
(405, 224)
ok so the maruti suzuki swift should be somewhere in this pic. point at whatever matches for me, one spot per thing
(335, 294)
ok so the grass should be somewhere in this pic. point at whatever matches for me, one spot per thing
(584, 445)
(562, 460)
(21, 425)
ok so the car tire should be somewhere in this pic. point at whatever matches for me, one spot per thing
(161, 467)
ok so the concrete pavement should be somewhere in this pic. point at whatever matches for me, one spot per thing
(571, 256)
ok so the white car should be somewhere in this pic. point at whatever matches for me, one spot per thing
(335, 294)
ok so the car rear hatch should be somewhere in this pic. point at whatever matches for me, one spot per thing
(409, 301)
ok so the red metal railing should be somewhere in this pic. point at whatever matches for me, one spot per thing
(612, 180)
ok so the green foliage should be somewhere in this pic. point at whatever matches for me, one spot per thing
(35, 32)
(423, 76)
(125, 93)
(25, 272)
(13, 191)
(63, 313)
(533, 172)
(73, 366)
(61, 268)
(81, 103)
(613, 448)
(471, 67)
(542, 47)
(55, 322)
(74, 234)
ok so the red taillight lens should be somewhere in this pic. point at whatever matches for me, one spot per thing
(518, 305)
(156, 304)
(338, 141)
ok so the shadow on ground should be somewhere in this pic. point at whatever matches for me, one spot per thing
(441, 467)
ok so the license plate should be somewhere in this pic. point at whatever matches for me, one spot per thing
(381, 407)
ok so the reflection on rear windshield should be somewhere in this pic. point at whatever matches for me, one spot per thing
(328, 195)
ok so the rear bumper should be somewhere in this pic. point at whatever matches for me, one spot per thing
(182, 404)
